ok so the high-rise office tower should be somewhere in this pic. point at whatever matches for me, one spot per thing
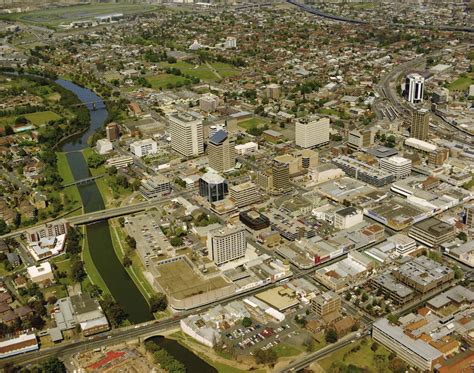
(312, 132)
(186, 133)
(226, 244)
(281, 176)
(420, 123)
(112, 130)
(221, 152)
(414, 88)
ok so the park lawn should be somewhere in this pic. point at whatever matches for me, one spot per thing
(251, 123)
(59, 291)
(53, 97)
(364, 358)
(42, 117)
(225, 70)
(461, 84)
(329, 112)
(136, 270)
(166, 80)
(112, 75)
(198, 71)
(286, 350)
(7, 121)
(91, 270)
(3, 271)
(63, 168)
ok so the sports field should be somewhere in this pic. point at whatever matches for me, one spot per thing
(42, 117)
(212, 72)
(180, 280)
(67, 14)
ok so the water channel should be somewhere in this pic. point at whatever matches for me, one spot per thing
(192, 362)
(118, 281)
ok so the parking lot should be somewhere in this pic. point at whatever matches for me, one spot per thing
(256, 337)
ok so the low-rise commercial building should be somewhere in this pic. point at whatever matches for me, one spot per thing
(155, 186)
(41, 274)
(104, 146)
(363, 171)
(254, 220)
(142, 148)
(18, 345)
(347, 217)
(432, 232)
(423, 274)
(326, 303)
(399, 166)
(244, 194)
(396, 291)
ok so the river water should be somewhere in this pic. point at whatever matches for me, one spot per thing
(192, 362)
(118, 281)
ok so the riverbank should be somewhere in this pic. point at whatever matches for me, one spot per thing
(223, 363)
(102, 264)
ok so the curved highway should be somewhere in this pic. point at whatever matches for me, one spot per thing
(333, 17)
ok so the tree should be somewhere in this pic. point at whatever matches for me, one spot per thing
(37, 322)
(392, 318)
(112, 170)
(397, 365)
(246, 322)
(127, 262)
(131, 242)
(365, 297)
(267, 357)
(52, 365)
(331, 335)
(176, 241)
(114, 312)
(462, 236)
(374, 347)
(77, 271)
(158, 303)
(3, 227)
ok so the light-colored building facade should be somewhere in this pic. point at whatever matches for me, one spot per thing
(244, 194)
(414, 88)
(359, 139)
(227, 244)
(312, 132)
(186, 131)
(399, 166)
(142, 148)
(326, 303)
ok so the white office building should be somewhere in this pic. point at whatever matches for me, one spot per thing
(403, 244)
(186, 133)
(103, 146)
(226, 244)
(399, 166)
(231, 42)
(312, 132)
(414, 87)
(142, 148)
(347, 217)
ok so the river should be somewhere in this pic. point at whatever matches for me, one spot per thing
(122, 287)
(191, 361)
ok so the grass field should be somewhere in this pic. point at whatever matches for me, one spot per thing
(181, 281)
(65, 15)
(92, 272)
(71, 192)
(203, 72)
(136, 270)
(251, 123)
(165, 80)
(364, 358)
(42, 117)
(286, 350)
(461, 84)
